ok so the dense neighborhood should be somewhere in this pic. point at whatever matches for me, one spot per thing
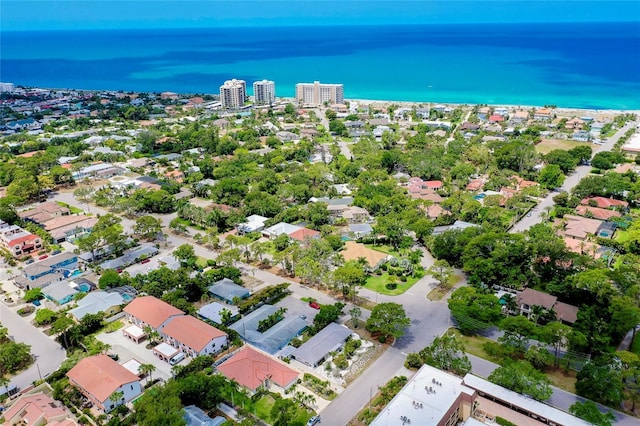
(223, 259)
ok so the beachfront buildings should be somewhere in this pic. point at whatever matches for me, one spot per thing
(233, 93)
(264, 92)
(313, 94)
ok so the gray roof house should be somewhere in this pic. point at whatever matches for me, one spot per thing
(316, 349)
(96, 301)
(213, 311)
(227, 290)
(60, 292)
(273, 339)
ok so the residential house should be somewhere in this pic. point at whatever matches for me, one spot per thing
(475, 185)
(54, 265)
(213, 312)
(574, 124)
(99, 377)
(596, 212)
(304, 235)
(193, 337)
(152, 312)
(68, 228)
(43, 212)
(195, 416)
(496, 118)
(254, 369)
(543, 114)
(59, 292)
(279, 229)
(483, 113)
(18, 241)
(359, 230)
(577, 227)
(315, 350)
(38, 409)
(355, 214)
(584, 247)
(528, 298)
(227, 290)
(604, 203)
(253, 223)
(176, 175)
(356, 251)
(98, 301)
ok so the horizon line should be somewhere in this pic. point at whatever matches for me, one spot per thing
(317, 25)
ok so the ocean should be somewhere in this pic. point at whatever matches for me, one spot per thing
(569, 65)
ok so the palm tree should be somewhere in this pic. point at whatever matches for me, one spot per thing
(537, 312)
(116, 397)
(510, 303)
(147, 370)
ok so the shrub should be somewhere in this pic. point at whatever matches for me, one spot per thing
(413, 361)
(391, 286)
(504, 422)
(403, 278)
(341, 362)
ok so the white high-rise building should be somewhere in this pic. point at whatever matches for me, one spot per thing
(264, 92)
(233, 93)
(7, 88)
(312, 94)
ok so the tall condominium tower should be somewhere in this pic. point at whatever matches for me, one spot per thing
(264, 92)
(311, 94)
(233, 93)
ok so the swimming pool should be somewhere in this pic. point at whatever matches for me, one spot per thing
(85, 288)
(126, 297)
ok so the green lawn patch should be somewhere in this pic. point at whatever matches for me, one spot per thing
(262, 408)
(384, 248)
(201, 262)
(622, 236)
(378, 283)
(72, 209)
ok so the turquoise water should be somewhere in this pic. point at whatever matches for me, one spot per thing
(571, 65)
(85, 288)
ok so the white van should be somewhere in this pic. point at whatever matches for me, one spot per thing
(176, 358)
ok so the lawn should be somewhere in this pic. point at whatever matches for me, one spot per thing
(262, 409)
(385, 249)
(378, 282)
(72, 209)
(622, 236)
(548, 145)
(558, 377)
(635, 345)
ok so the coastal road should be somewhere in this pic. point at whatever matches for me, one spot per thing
(539, 212)
(47, 354)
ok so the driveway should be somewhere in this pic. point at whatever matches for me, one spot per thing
(126, 349)
(48, 355)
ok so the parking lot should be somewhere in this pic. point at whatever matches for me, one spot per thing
(126, 349)
(296, 307)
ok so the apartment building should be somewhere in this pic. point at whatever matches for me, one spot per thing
(313, 94)
(17, 240)
(233, 93)
(264, 92)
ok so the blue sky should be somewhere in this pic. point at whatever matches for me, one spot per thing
(27, 15)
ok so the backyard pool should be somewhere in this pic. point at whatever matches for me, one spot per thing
(85, 288)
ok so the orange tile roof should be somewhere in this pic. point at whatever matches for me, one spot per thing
(605, 202)
(191, 332)
(100, 376)
(304, 233)
(151, 310)
(31, 408)
(597, 212)
(354, 251)
(250, 368)
(60, 221)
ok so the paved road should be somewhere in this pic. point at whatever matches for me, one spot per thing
(539, 213)
(47, 353)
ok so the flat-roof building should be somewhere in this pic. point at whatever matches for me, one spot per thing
(316, 349)
(313, 94)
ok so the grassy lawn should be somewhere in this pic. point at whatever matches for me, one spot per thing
(262, 408)
(622, 236)
(72, 209)
(201, 262)
(378, 282)
(385, 249)
(548, 145)
(473, 345)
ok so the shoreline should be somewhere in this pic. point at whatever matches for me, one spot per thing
(381, 102)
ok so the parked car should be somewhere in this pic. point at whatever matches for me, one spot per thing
(314, 305)
(44, 256)
(114, 357)
(119, 270)
(29, 262)
(313, 421)
(56, 252)
(145, 260)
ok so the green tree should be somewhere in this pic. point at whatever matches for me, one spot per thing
(556, 334)
(147, 227)
(473, 310)
(45, 316)
(538, 356)
(33, 294)
(14, 357)
(521, 377)
(110, 279)
(446, 353)
(443, 273)
(283, 412)
(348, 276)
(159, 406)
(326, 315)
(551, 176)
(590, 412)
(355, 313)
(186, 255)
(601, 380)
(388, 319)
(517, 331)
(147, 370)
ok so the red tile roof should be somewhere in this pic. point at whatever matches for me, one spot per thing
(151, 310)
(31, 408)
(21, 240)
(100, 376)
(304, 234)
(433, 184)
(250, 368)
(597, 212)
(191, 332)
(605, 203)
